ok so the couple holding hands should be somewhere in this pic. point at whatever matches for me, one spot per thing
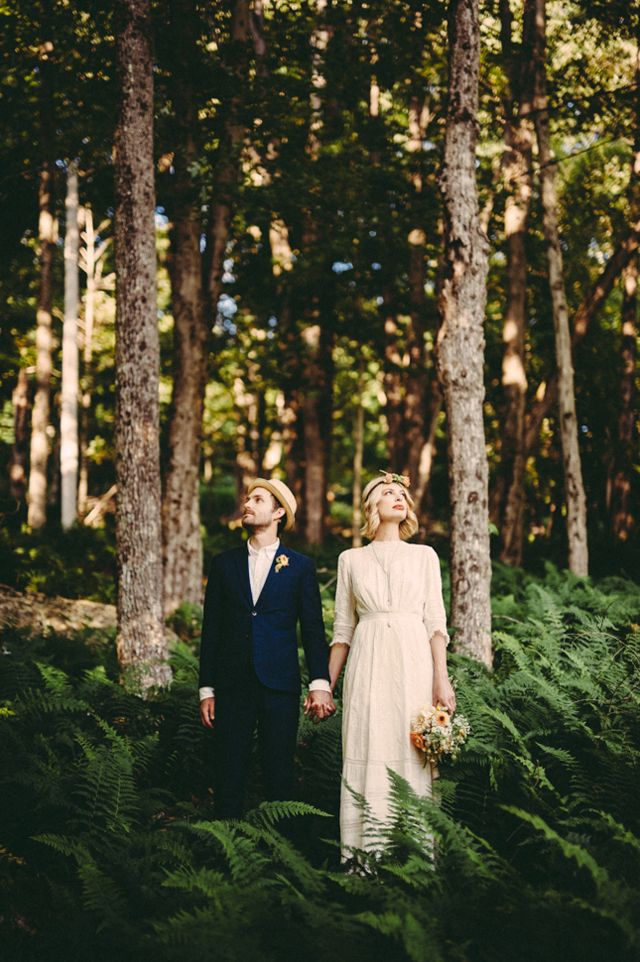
(389, 629)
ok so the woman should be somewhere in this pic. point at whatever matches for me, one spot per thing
(390, 629)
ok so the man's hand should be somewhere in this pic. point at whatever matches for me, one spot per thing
(320, 704)
(207, 712)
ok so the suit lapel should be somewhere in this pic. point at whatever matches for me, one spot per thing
(242, 563)
(272, 577)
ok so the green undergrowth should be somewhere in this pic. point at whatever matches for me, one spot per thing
(109, 851)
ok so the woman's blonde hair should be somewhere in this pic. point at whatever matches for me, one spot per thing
(370, 498)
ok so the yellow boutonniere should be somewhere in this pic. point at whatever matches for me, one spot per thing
(282, 561)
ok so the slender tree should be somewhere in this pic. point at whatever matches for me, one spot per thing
(516, 164)
(141, 641)
(70, 359)
(182, 540)
(47, 232)
(573, 484)
(461, 342)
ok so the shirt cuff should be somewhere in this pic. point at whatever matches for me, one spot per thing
(206, 693)
(319, 684)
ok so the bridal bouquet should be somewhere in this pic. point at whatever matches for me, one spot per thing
(436, 733)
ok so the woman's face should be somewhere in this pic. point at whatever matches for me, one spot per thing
(393, 505)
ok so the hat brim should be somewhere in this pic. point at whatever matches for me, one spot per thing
(265, 483)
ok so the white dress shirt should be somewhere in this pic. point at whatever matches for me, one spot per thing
(260, 563)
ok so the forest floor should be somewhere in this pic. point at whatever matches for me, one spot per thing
(109, 850)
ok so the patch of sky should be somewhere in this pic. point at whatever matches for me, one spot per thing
(376, 266)
(227, 307)
(339, 267)
(161, 218)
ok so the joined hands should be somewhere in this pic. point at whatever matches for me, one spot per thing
(320, 704)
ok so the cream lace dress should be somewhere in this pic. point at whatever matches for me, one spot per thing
(388, 606)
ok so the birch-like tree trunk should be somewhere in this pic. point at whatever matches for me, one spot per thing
(70, 359)
(182, 539)
(461, 342)
(141, 640)
(92, 260)
(516, 164)
(40, 414)
(573, 484)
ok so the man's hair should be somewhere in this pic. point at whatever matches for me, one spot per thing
(283, 520)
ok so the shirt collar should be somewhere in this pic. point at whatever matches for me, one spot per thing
(268, 549)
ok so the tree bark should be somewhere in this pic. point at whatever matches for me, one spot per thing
(141, 641)
(358, 452)
(18, 462)
(316, 426)
(182, 539)
(70, 359)
(315, 400)
(227, 169)
(417, 380)
(622, 501)
(574, 488)
(517, 161)
(461, 342)
(39, 453)
(626, 444)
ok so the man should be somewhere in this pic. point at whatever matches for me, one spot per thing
(249, 672)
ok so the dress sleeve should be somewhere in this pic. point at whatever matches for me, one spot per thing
(434, 616)
(346, 618)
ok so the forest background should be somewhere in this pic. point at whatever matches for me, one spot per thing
(294, 156)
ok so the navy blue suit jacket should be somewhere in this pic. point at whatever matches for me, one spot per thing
(238, 635)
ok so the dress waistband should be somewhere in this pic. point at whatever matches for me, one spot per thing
(388, 615)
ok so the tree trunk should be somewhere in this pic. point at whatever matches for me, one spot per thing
(622, 483)
(88, 264)
(517, 160)
(316, 398)
(227, 169)
(417, 379)
(141, 641)
(626, 446)
(316, 426)
(248, 447)
(358, 452)
(39, 454)
(461, 343)
(70, 360)
(182, 539)
(18, 462)
(573, 484)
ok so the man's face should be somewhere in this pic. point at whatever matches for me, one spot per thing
(259, 509)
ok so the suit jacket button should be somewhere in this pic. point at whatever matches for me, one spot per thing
(254, 612)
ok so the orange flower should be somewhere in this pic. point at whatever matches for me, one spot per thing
(442, 718)
(417, 740)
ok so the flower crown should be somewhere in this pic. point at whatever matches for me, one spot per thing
(389, 476)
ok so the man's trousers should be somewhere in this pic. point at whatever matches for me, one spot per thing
(238, 712)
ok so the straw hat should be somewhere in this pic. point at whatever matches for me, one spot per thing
(282, 494)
